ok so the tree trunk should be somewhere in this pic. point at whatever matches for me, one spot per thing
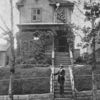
(94, 87)
(12, 56)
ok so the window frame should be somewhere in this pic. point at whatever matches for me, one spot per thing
(37, 15)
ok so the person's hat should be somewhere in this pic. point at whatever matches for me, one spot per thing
(61, 65)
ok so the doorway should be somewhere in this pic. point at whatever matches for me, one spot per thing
(61, 43)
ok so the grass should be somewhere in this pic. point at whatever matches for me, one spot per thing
(27, 80)
(83, 77)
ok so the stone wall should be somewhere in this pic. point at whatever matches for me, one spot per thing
(48, 96)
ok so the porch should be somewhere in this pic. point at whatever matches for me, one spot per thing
(59, 49)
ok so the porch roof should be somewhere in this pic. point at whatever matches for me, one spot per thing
(53, 26)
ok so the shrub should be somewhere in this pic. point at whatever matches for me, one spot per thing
(31, 86)
(18, 60)
(27, 80)
(83, 77)
(83, 83)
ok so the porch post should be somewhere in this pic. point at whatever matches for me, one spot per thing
(52, 67)
(53, 52)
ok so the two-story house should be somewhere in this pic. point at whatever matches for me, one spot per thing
(52, 16)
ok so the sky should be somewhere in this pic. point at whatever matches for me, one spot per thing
(5, 13)
(5, 17)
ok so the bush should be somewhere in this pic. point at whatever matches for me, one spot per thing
(38, 59)
(83, 77)
(27, 80)
(31, 65)
(18, 60)
(83, 83)
(31, 86)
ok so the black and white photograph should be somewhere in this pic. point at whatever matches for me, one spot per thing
(49, 50)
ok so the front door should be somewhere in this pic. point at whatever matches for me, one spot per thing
(61, 44)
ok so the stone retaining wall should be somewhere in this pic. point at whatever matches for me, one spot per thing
(48, 96)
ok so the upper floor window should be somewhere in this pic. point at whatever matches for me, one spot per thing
(36, 14)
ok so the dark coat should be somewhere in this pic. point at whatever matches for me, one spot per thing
(61, 76)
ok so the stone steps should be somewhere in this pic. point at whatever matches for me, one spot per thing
(65, 92)
(62, 99)
(67, 87)
(65, 96)
(62, 58)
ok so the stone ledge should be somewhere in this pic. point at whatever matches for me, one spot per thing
(47, 96)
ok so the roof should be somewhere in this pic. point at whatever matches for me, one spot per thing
(52, 2)
(43, 26)
(20, 3)
(4, 47)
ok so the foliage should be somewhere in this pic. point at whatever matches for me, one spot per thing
(83, 77)
(79, 60)
(38, 55)
(92, 13)
(70, 36)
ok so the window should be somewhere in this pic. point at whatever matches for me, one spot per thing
(36, 14)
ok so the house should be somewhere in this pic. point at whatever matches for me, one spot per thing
(53, 16)
(76, 53)
(97, 47)
(4, 54)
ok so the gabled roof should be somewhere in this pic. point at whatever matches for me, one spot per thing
(4, 47)
(20, 3)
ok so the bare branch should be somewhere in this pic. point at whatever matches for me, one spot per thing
(3, 29)
(79, 9)
(4, 23)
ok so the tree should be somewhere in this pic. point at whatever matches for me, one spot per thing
(92, 13)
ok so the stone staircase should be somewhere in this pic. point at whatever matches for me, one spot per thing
(67, 87)
(62, 58)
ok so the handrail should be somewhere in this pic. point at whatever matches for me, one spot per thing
(52, 80)
(71, 75)
(52, 68)
(72, 82)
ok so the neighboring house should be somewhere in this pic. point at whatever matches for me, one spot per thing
(97, 47)
(37, 16)
(76, 53)
(4, 54)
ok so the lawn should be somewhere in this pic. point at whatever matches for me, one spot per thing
(27, 80)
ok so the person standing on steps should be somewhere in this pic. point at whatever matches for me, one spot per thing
(61, 78)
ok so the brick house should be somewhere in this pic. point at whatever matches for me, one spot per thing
(37, 16)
